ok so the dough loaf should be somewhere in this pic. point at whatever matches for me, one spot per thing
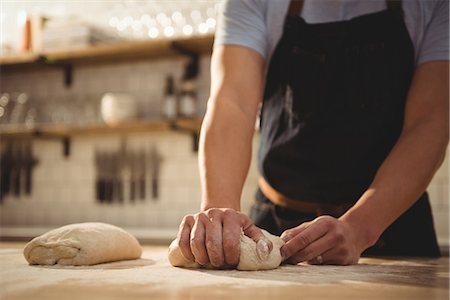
(82, 244)
(248, 259)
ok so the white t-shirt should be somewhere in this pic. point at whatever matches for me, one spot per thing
(258, 24)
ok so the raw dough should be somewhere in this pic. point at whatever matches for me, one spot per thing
(248, 259)
(82, 244)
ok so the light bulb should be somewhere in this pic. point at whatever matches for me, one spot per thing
(187, 29)
(177, 17)
(211, 22)
(202, 28)
(153, 32)
(169, 31)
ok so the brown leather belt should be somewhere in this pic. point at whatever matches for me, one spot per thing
(301, 206)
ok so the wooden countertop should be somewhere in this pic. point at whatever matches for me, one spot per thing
(151, 277)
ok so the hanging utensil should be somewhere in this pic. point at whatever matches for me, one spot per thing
(156, 160)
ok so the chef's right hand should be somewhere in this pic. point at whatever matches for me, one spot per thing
(213, 236)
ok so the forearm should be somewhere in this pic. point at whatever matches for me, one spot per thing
(418, 153)
(229, 124)
(225, 154)
(400, 181)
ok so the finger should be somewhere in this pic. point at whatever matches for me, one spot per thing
(310, 234)
(231, 236)
(184, 234)
(213, 242)
(329, 258)
(263, 245)
(337, 256)
(313, 250)
(197, 240)
(287, 235)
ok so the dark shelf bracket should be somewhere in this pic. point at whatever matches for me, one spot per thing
(66, 67)
(65, 140)
(194, 134)
(192, 67)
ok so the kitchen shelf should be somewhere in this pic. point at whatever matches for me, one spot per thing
(18, 59)
(102, 128)
(112, 52)
(65, 132)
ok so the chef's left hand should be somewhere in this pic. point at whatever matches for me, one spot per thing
(325, 240)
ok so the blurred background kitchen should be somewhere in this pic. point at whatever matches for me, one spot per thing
(100, 107)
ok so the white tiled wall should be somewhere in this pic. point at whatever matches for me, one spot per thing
(63, 188)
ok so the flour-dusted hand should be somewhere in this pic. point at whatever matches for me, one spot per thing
(325, 240)
(250, 257)
(213, 237)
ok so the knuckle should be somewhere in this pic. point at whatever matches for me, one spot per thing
(229, 213)
(212, 212)
(201, 217)
(343, 252)
(339, 237)
(302, 240)
(186, 220)
(328, 223)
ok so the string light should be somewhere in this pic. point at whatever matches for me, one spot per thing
(177, 17)
(187, 29)
(153, 32)
(202, 28)
(169, 31)
(211, 22)
(167, 22)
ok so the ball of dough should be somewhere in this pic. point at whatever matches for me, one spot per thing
(249, 259)
(82, 244)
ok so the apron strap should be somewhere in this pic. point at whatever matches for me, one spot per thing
(296, 6)
(395, 5)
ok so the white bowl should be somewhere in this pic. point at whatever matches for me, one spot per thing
(118, 107)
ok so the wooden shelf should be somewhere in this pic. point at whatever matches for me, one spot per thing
(18, 59)
(192, 125)
(64, 133)
(112, 52)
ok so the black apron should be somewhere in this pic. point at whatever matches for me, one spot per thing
(333, 109)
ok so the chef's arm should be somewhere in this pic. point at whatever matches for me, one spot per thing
(213, 234)
(409, 168)
(228, 127)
